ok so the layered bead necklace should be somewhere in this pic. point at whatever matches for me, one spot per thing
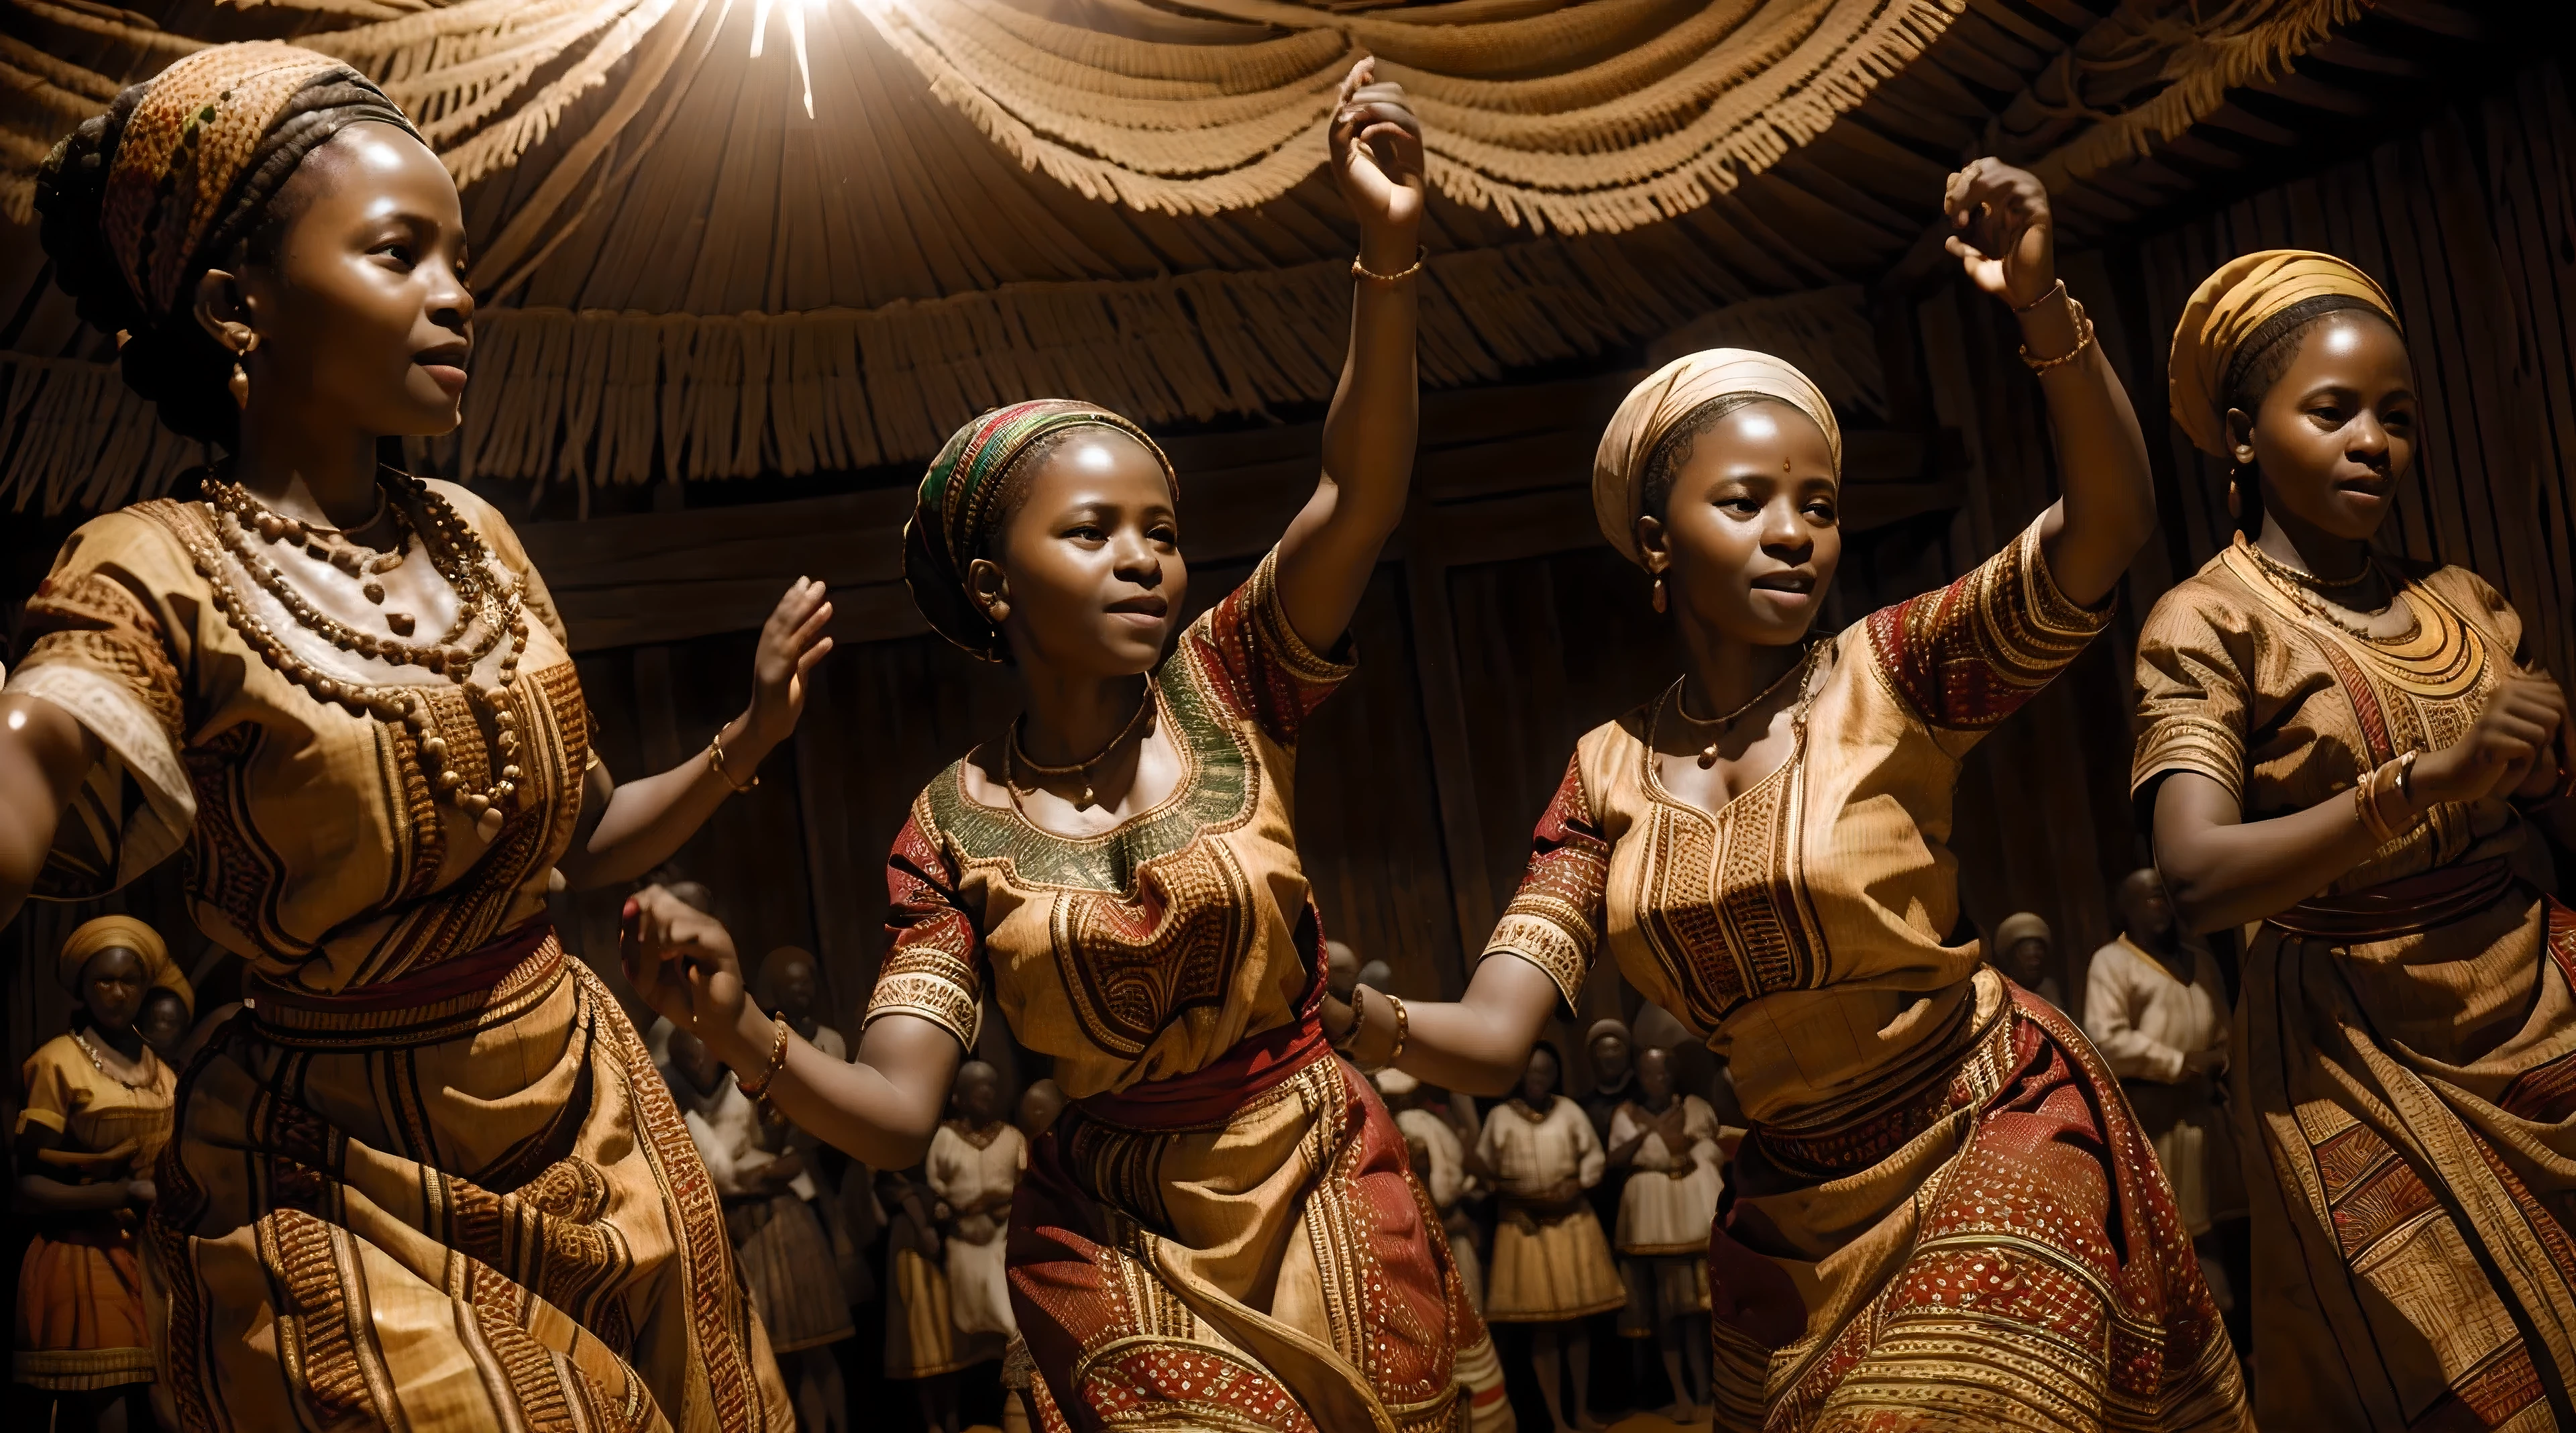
(2306, 590)
(489, 611)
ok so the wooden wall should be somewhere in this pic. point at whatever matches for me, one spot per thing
(1501, 627)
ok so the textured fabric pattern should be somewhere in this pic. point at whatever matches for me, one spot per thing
(80, 1319)
(1277, 1268)
(2012, 1261)
(2402, 1089)
(1151, 950)
(379, 1217)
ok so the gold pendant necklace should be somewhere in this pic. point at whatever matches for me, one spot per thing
(1726, 723)
(1014, 757)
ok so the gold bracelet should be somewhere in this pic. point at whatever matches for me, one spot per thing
(715, 759)
(1403, 1027)
(2393, 778)
(1363, 271)
(1359, 1020)
(2054, 290)
(759, 1094)
(2365, 800)
(2083, 340)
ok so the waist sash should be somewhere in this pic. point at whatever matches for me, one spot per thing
(2409, 905)
(489, 985)
(1209, 1096)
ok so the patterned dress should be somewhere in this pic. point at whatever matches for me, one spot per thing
(1944, 1214)
(2405, 1047)
(430, 1177)
(1223, 1229)
(81, 1323)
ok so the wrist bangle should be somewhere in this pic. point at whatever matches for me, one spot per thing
(1403, 1027)
(2054, 290)
(2083, 340)
(715, 761)
(759, 1093)
(1363, 271)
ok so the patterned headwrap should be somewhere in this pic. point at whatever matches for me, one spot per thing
(961, 497)
(109, 932)
(199, 133)
(1655, 407)
(2018, 927)
(2227, 309)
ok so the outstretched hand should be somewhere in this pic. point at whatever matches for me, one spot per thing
(791, 642)
(682, 961)
(1377, 161)
(2005, 237)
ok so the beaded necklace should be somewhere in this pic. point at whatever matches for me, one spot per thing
(459, 556)
(2302, 590)
(101, 1065)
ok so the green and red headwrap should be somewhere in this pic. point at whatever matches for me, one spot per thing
(961, 498)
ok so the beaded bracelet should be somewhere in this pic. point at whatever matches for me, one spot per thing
(2083, 340)
(1363, 271)
(759, 1093)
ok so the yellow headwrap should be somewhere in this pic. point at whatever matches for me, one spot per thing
(2225, 311)
(109, 932)
(1654, 407)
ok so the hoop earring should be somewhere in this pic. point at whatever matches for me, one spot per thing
(1659, 592)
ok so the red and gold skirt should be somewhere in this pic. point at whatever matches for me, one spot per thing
(1243, 1247)
(1992, 1246)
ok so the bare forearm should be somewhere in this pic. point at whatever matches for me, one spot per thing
(645, 820)
(43, 754)
(2109, 505)
(1479, 1043)
(2223, 873)
(39, 1195)
(1371, 430)
(880, 1108)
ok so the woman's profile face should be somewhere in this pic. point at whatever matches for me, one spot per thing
(2335, 434)
(111, 988)
(362, 312)
(1751, 533)
(1089, 562)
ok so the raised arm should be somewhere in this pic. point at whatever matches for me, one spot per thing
(881, 1108)
(2005, 242)
(629, 828)
(1332, 545)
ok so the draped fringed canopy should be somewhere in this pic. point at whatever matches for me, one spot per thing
(683, 275)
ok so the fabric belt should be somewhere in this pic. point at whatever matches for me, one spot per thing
(489, 985)
(1212, 1094)
(2409, 905)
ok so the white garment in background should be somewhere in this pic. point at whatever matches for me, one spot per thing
(2145, 1022)
(726, 1129)
(1658, 1214)
(1527, 1156)
(960, 1175)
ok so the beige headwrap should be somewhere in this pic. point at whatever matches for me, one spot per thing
(2225, 311)
(109, 932)
(1653, 407)
(2018, 927)
(1607, 1027)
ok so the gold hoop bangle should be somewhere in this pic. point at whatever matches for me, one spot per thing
(1403, 1027)
(1363, 271)
(715, 760)
(1359, 1019)
(2054, 289)
(2365, 800)
(2083, 340)
(759, 1093)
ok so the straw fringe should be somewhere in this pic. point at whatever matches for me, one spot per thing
(77, 439)
(2246, 45)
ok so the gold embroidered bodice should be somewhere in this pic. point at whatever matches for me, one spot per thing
(314, 847)
(2238, 683)
(1152, 949)
(1808, 929)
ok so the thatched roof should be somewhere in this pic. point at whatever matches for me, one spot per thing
(686, 275)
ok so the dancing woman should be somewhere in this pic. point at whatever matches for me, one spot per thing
(1223, 1230)
(2352, 750)
(430, 1177)
(1944, 1215)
